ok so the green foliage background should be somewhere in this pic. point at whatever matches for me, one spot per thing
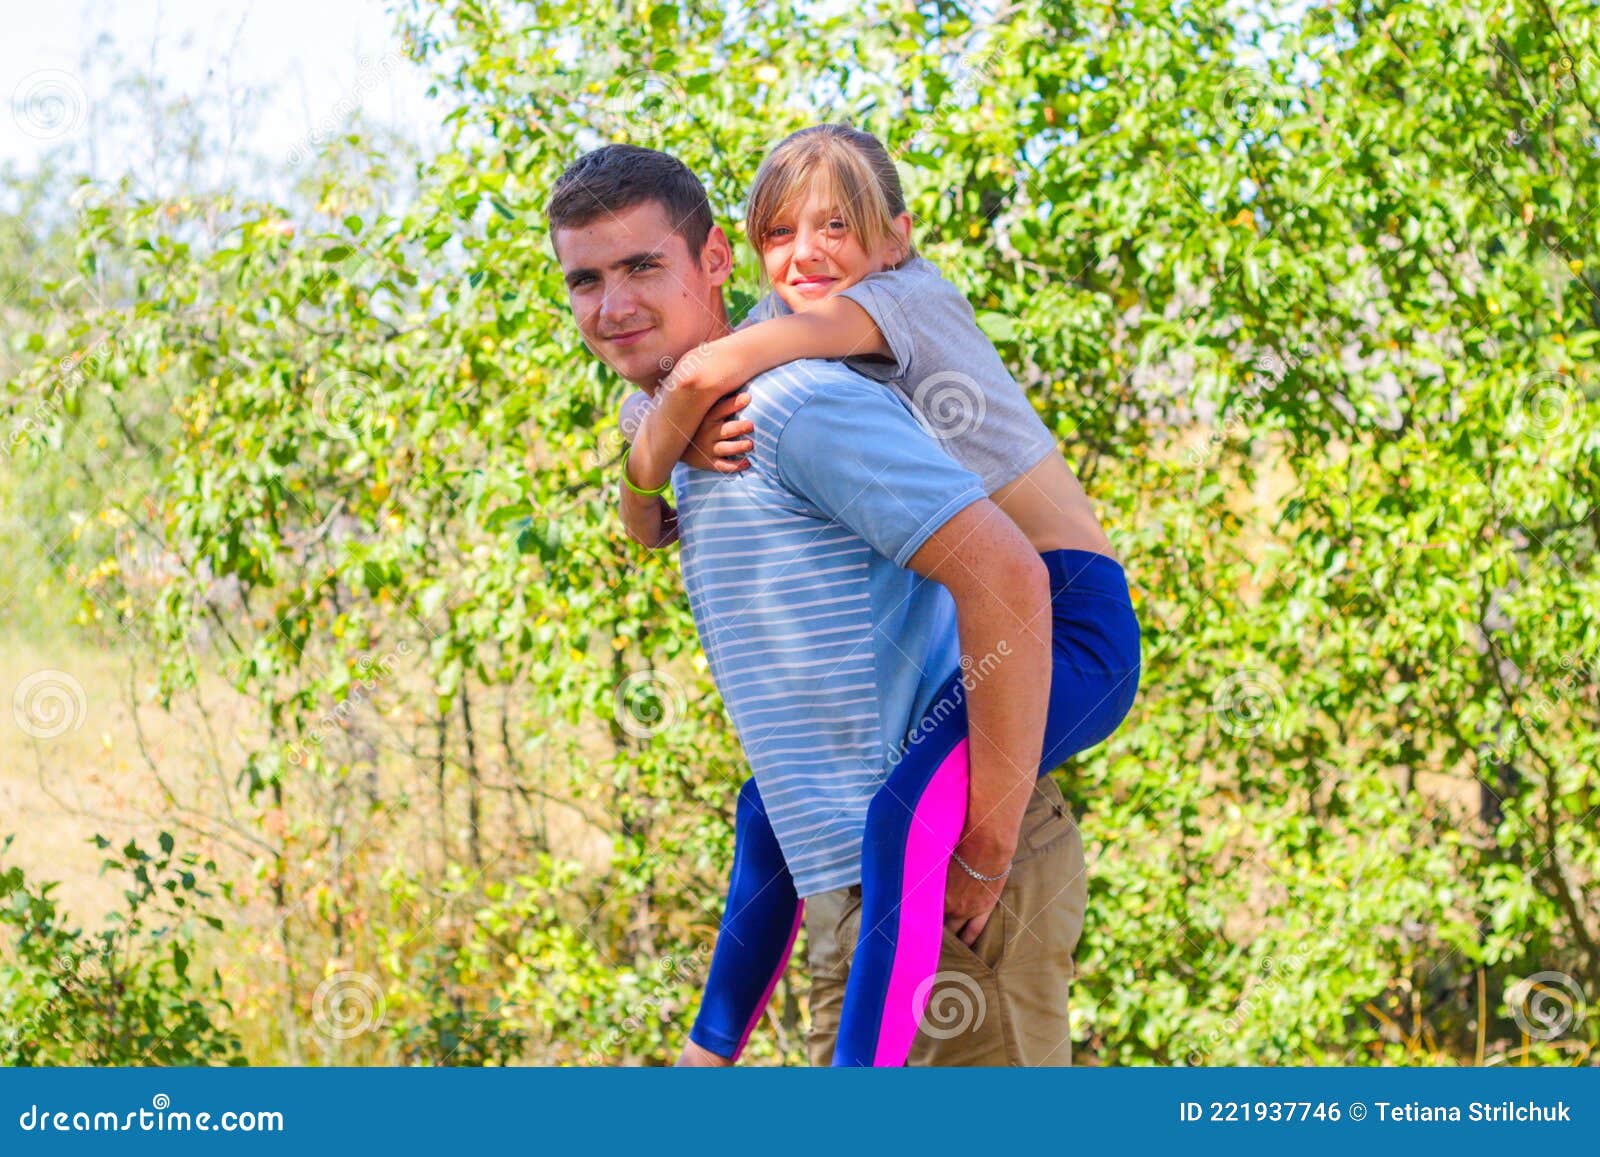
(1311, 303)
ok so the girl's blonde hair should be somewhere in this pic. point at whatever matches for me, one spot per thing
(856, 172)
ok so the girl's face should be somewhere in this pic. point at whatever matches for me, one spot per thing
(810, 253)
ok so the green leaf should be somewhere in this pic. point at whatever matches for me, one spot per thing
(505, 514)
(999, 326)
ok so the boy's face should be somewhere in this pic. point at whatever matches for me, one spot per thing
(640, 301)
(809, 253)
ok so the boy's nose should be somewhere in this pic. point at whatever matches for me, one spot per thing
(616, 305)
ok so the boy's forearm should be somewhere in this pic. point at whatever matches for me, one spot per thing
(1005, 714)
(1002, 595)
(1006, 708)
(1007, 640)
(648, 519)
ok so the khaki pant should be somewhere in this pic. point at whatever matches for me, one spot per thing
(1002, 1001)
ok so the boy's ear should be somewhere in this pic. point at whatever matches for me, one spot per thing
(716, 258)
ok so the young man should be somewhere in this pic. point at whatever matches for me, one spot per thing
(836, 584)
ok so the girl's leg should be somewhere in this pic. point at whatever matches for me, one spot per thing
(1095, 653)
(912, 824)
(919, 813)
(759, 924)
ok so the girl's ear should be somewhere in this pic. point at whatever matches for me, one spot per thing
(902, 238)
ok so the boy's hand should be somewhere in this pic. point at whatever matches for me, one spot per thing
(969, 902)
(718, 443)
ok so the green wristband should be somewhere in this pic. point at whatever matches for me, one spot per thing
(628, 482)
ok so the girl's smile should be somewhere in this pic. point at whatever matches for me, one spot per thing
(810, 253)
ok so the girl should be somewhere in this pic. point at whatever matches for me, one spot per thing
(827, 218)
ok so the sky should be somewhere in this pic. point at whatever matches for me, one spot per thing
(319, 58)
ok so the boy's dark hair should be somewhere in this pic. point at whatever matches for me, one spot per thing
(618, 177)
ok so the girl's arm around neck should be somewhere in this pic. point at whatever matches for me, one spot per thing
(833, 328)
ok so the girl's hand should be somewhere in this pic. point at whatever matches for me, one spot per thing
(719, 444)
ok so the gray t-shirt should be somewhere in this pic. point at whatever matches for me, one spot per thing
(945, 368)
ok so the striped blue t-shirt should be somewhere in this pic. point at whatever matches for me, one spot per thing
(825, 649)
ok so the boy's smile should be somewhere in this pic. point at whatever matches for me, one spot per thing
(640, 301)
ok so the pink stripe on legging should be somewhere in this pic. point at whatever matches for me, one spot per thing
(761, 1005)
(935, 829)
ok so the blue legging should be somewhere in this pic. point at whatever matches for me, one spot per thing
(914, 820)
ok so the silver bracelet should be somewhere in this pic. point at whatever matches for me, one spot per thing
(977, 875)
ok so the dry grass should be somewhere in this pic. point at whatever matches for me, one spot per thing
(123, 774)
(57, 792)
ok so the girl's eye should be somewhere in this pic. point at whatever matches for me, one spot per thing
(778, 231)
(837, 226)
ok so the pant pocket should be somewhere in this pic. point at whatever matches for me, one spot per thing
(1034, 979)
(1052, 901)
(982, 956)
(1047, 819)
